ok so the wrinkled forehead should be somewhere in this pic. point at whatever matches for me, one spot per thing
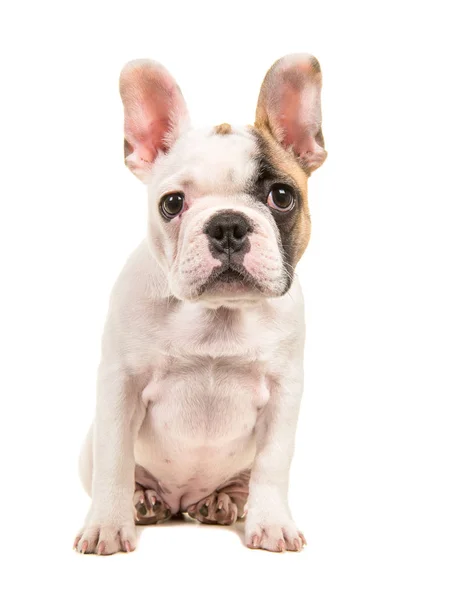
(223, 160)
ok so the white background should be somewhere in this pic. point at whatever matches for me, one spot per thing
(370, 479)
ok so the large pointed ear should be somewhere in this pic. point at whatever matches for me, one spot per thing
(289, 107)
(155, 113)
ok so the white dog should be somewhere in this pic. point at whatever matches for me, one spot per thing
(201, 373)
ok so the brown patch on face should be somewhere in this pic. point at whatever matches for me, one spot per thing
(296, 235)
(223, 129)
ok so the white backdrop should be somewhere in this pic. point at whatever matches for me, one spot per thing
(370, 479)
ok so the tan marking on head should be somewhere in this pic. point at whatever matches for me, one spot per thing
(223, 129)
(289, 107)
(285, 161)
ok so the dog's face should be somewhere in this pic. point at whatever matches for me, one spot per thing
(228, 208)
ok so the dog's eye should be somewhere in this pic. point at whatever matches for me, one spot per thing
(172, 204)
(280, 198)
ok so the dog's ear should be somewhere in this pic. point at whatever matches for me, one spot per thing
(155, 113)
(289, 107)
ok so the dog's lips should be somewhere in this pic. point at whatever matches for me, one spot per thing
(229, 279)
(230, 276)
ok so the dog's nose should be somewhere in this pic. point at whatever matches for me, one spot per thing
(228, 231)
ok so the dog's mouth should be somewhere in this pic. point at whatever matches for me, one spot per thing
(230, 276)
(229, 279)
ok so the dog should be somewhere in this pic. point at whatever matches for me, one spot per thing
(201, 374)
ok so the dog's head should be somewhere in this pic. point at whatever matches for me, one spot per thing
(228, 207)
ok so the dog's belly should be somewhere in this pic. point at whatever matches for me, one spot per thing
(198, 431)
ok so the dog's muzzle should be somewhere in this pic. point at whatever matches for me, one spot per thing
(228, 233)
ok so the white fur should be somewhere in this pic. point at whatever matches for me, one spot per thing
(197, 386)
(179, 383)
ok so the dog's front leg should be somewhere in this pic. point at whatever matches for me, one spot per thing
(269, 524)
(109, 525)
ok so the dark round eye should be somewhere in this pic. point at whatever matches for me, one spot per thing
(171, 204)
(280, 198)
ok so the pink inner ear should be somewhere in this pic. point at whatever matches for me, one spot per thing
(299, 115)
(154, 109)
(147, 144)
(290, 101)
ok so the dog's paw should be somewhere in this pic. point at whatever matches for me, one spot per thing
(217, 509)
(150, 508)
(106, 538)
(274, 535)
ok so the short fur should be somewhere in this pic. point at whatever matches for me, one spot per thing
(201, 374)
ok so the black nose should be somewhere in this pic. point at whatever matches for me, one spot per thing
(228, 231)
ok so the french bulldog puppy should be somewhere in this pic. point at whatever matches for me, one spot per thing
(201, 374)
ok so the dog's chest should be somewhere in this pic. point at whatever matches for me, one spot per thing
(205, 401)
